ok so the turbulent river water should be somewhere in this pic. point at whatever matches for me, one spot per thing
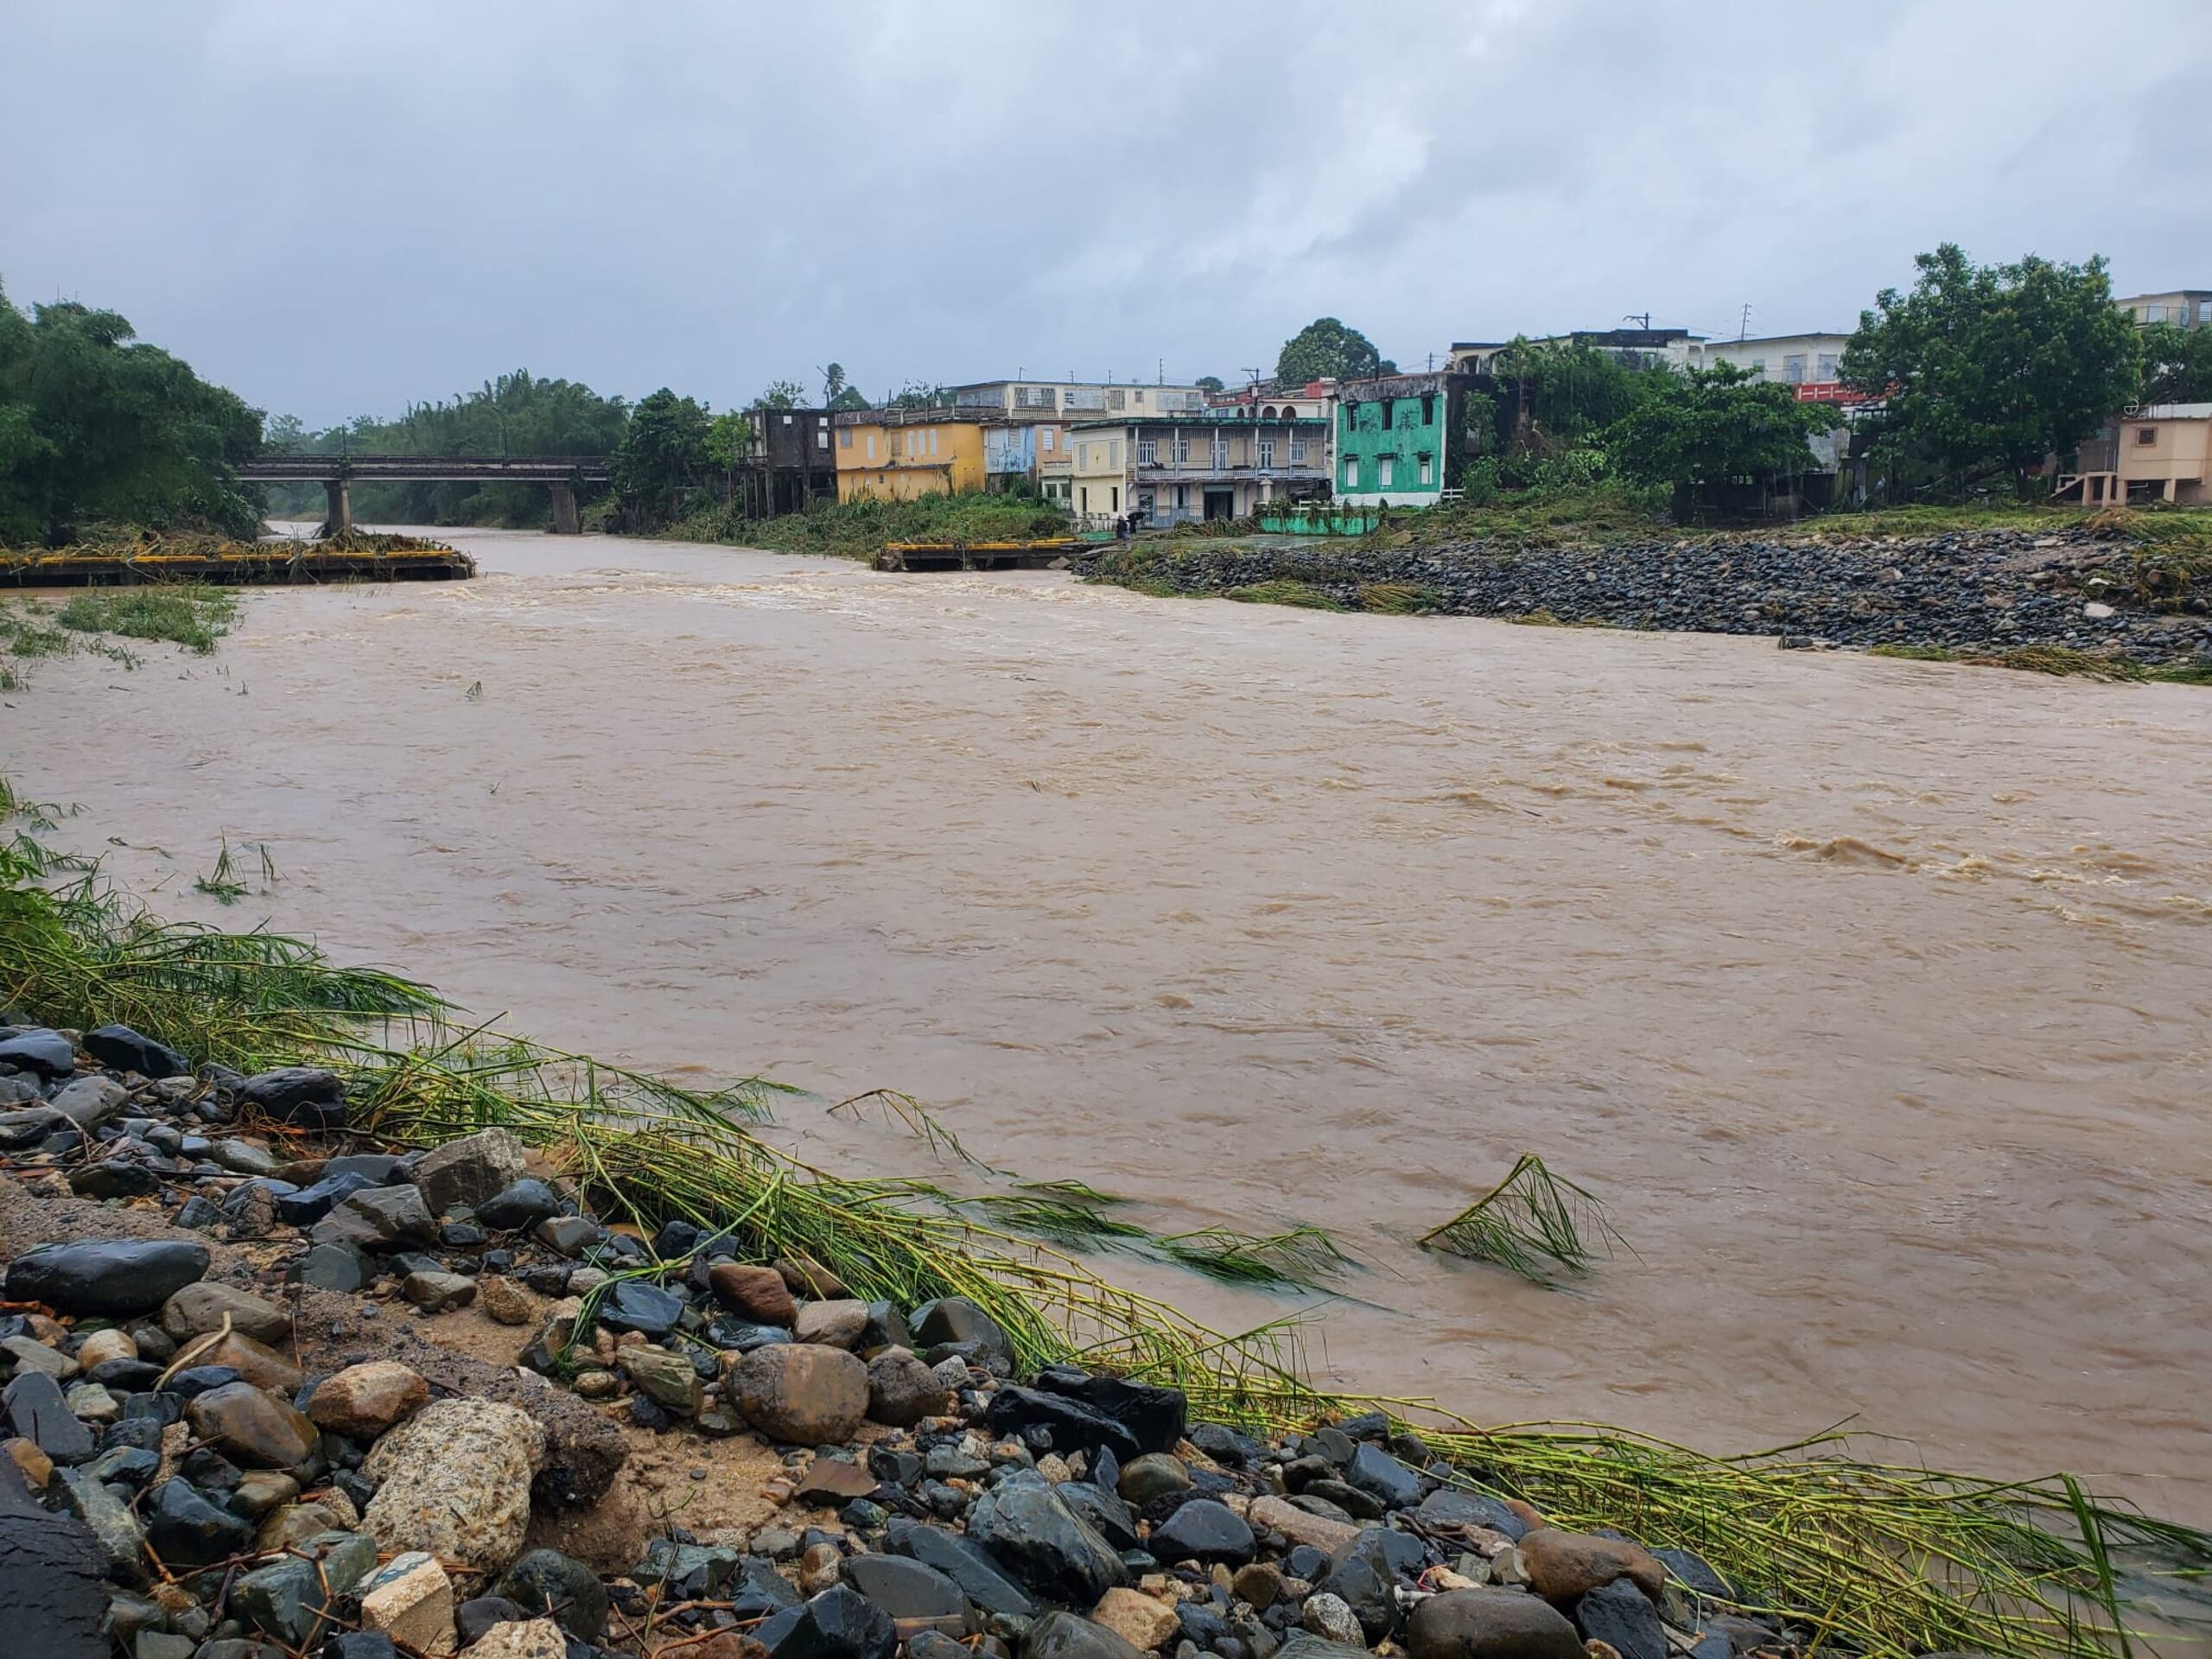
(1873, 997)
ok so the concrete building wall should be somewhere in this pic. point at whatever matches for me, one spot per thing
(1397, 439)
(897, 455)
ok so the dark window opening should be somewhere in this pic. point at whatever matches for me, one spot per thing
(1428, 410)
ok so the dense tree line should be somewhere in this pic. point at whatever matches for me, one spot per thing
(98, 427)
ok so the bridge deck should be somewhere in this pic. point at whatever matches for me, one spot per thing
(425, 469)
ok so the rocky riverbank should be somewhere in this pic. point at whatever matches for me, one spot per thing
(1977, 592)
(271, 1391)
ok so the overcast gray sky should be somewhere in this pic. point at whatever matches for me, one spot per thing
(344, 206)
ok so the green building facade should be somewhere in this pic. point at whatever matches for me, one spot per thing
(1400, 439)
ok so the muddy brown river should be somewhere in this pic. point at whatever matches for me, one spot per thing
(1873, 997)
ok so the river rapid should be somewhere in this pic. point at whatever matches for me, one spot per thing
(1872, 996)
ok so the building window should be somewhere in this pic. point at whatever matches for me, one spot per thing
(845, 437)
(821, 440)
(1428, 410)
(1117, 492)
(2146, 434)
(1297, 448)
(1085, 494)
(1826, 367)
(1427, 470)
(871, 445)
(1140, 399)
(1758, 367)
(1182, 495)
(1182, 449)
(1792, 368)
(933, 439)
(1382, 470)
(1266, 455)
(1351, 473)
(1114, 398)
(1045, 439)
(1147, 452)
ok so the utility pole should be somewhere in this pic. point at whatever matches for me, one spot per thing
(1641, 320)
(1744, 325)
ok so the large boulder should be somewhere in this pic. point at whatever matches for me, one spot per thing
(106, 1278)
(470, 1170)
(1622, 1615)
(455, 1480)
(40, 1050)
(89, 1102)
(800, 1393)
(954, 1321)
(1030, 1530)
(1490, 1624)
(917, 1596)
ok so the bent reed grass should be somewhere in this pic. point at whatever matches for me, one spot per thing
(1882, 1558)
(1532, 1222)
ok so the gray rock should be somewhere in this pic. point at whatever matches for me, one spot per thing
(1326, 1616)
(1031, 1533)
(1382, 1477)
(127, 1050)
(331, 1267)
(901, 1390)
(296, 1094)
(546, 1584)
(1065, 1635)
(1206, 1530)
(1153, 1475)
(800, 1393)
(1448, 1511)
(435, 1293)
(284, 1600)
(1302, 1644)
(106, 1278)
(110, 1520)
(387, 1218)
(198, 1309)
(917, 1596)
(469, 1169)
(1622, 1615)
(37, 1411)
(965, 1562)
(89, 1102)
(839, 1624)
(50, 1572)
(40, 1051)
(1490, 1624)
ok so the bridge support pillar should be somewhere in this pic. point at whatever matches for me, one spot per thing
(338, 515)
(565, 521)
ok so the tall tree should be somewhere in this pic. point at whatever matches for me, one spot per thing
(2177, 365)
(1983, 370)
(1326, 348)
(1710, 427)
(95, 425)
(833, 382)
(1208, 383)
(781, 394)
(663, 449)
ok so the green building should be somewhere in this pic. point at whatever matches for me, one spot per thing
(1401, 439)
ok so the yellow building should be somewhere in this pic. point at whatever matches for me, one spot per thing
(1099, 480)
(896, 454)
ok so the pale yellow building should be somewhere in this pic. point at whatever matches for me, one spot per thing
(2159, 454)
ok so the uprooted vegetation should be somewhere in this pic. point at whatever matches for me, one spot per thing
(1889, 1558)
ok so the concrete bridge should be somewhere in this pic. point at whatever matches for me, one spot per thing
(559, 474)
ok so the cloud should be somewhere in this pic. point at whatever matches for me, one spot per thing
(344, 207)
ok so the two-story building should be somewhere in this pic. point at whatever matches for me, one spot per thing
(1028, 434)
(1400, 438)
(1221, 463)
(1632, 348)
(1812, 364)
(790, 463)
(2160, 454)
(896, 454)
